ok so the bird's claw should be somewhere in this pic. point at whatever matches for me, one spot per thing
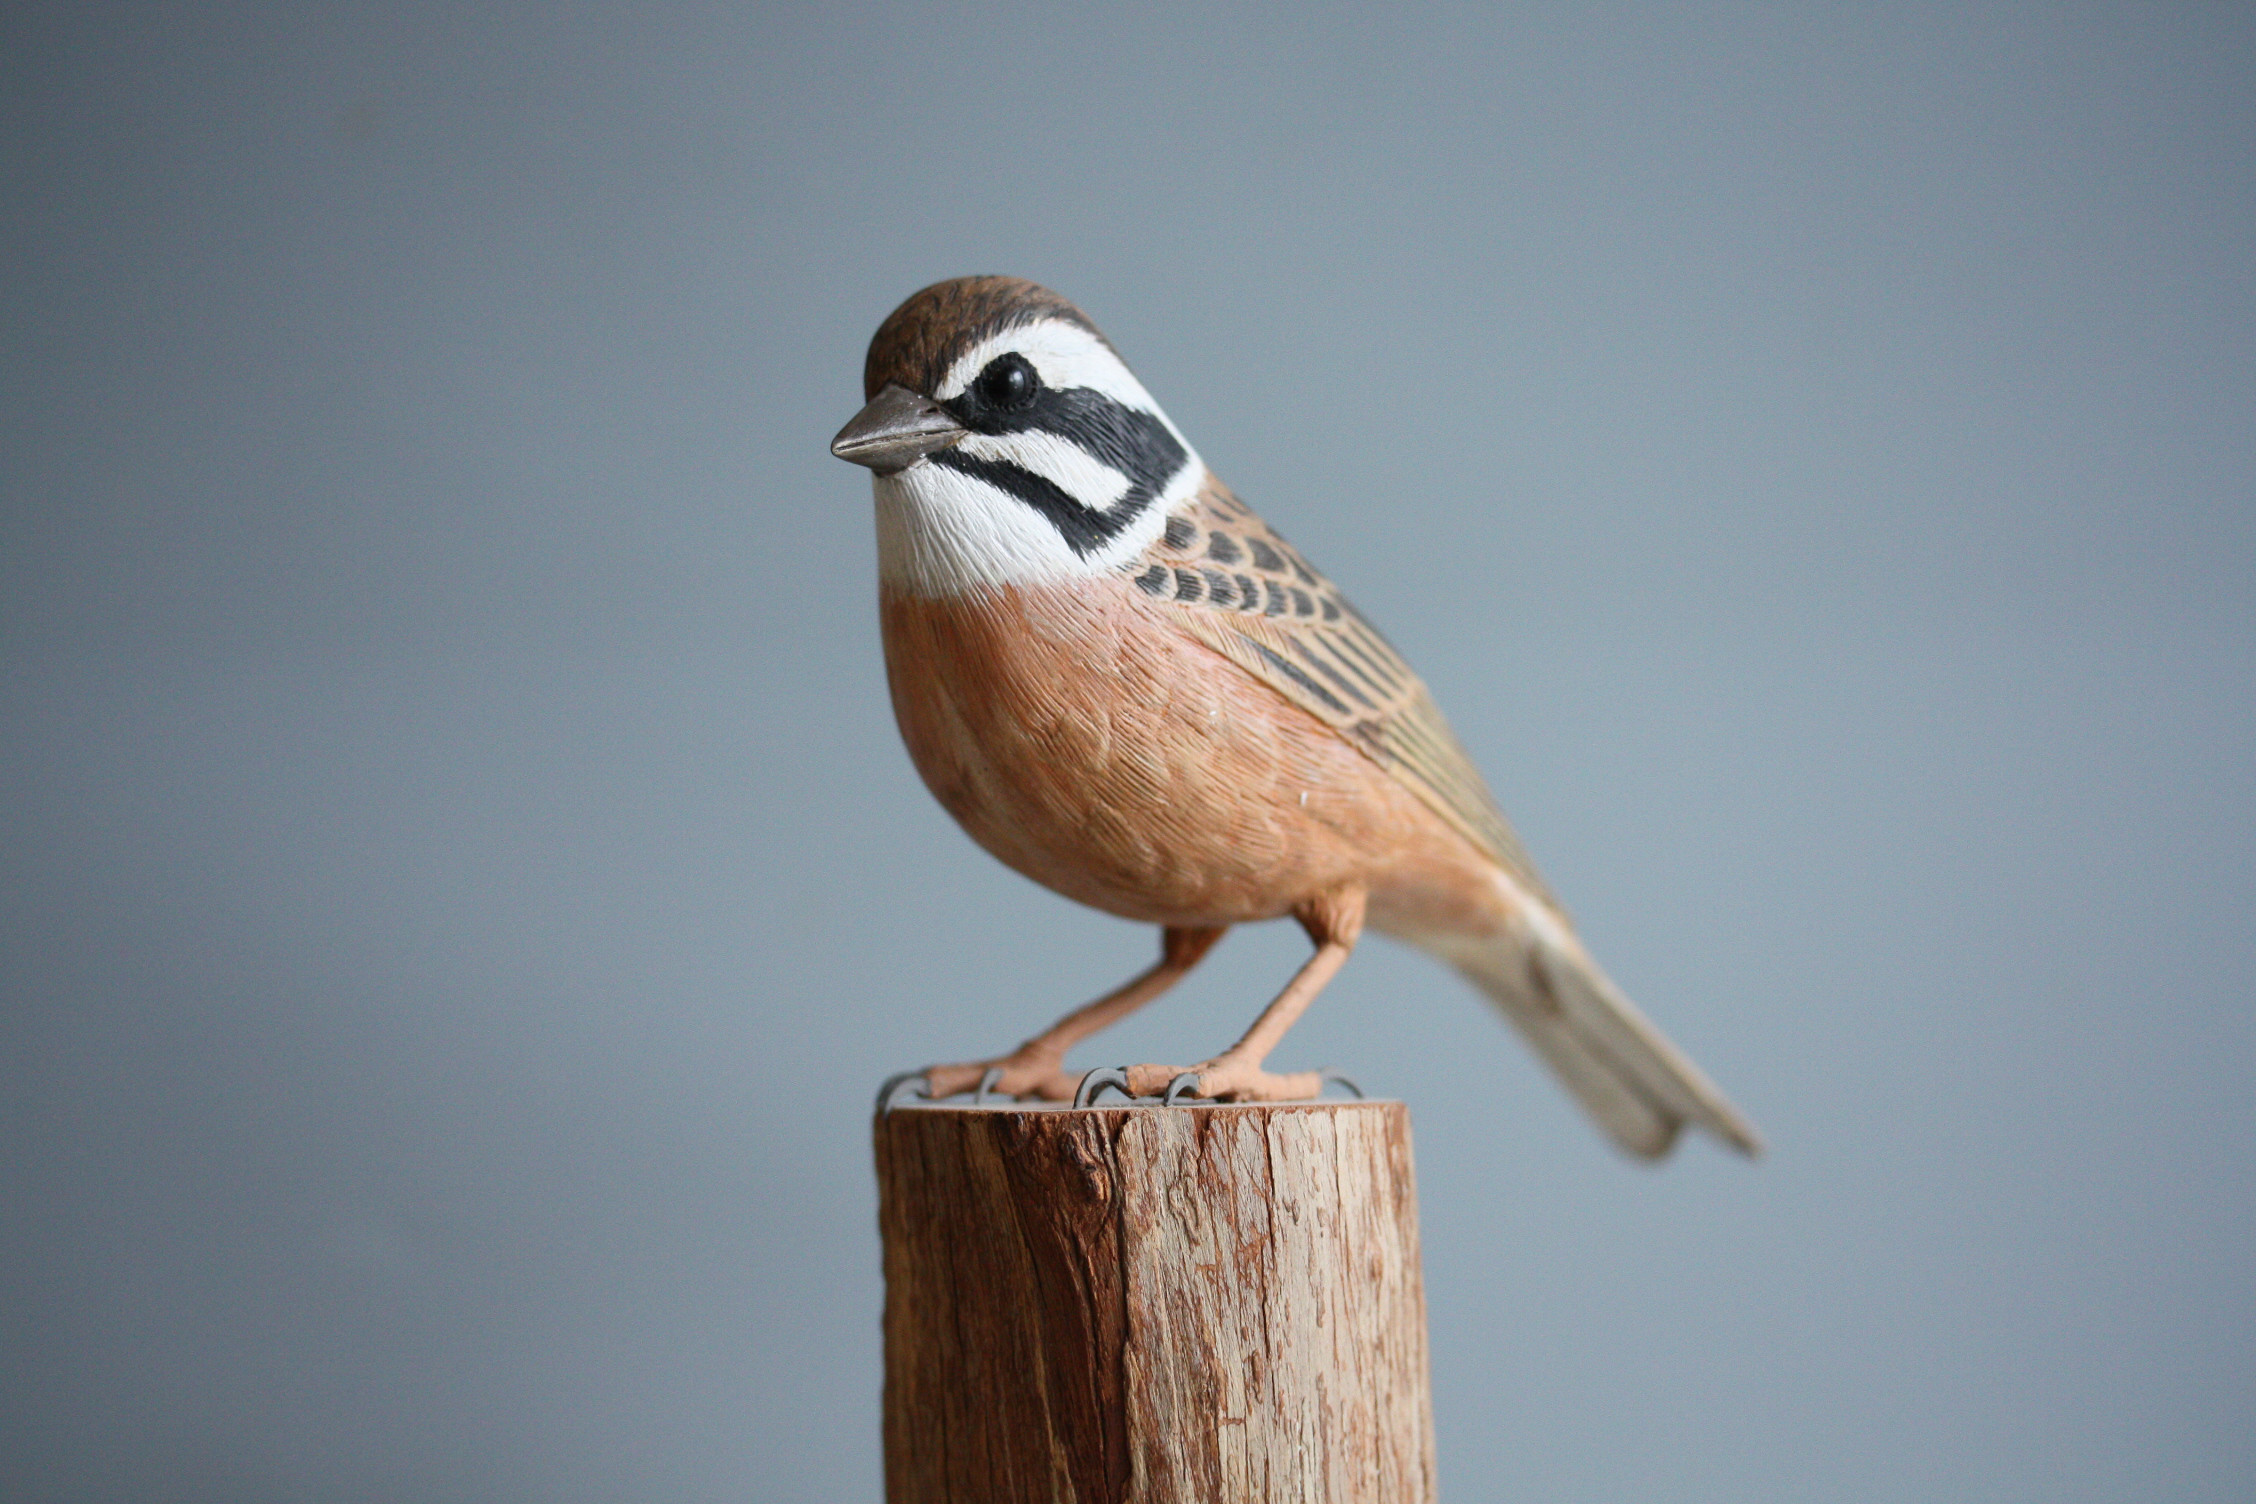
(1097, 1080)
(888, 1095)
(1184, 1088)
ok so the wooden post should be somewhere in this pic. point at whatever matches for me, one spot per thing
(1171, 1305)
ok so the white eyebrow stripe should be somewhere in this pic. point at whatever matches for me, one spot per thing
(1064, 356)
(1080, 474)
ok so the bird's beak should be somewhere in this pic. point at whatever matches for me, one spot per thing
(897, 429)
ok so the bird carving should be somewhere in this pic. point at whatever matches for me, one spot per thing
(1126, 686)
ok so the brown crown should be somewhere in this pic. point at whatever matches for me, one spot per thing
(920, 339)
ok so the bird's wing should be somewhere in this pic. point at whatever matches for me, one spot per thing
(1243, 591)
(1250, 596)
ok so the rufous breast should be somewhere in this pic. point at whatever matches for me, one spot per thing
(1098, 749)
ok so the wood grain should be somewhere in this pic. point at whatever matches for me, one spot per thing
(1211, 1303)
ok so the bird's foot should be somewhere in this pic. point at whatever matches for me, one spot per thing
(1224, 1079)
(1021, 1073)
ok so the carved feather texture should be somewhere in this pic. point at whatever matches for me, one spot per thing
(1251, 596)
(1056, 592)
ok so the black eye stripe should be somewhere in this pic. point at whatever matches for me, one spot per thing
(1085, 531)
(1134, 442)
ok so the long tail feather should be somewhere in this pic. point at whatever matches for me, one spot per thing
(1640, 1088)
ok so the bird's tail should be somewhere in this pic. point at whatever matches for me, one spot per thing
(1640, 1088)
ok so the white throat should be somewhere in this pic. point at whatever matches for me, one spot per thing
(940, 532)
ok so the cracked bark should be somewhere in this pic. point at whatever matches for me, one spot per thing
(1183, 1304)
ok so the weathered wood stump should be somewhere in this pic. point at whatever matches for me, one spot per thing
(1182, 1305)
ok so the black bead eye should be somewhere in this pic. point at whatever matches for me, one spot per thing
(1007, 384)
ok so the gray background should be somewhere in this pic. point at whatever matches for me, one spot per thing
(462, 883)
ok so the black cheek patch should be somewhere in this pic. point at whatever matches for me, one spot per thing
(1122, 438)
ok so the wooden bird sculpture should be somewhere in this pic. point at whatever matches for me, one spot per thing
(1125, 685)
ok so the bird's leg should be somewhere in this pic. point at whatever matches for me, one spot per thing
(1037, 1067)
(1333, 921)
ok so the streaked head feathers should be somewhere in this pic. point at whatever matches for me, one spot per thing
(926, 336)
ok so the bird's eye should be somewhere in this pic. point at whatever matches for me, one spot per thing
(1007, 384)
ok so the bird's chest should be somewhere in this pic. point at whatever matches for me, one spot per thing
(1089, 746)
